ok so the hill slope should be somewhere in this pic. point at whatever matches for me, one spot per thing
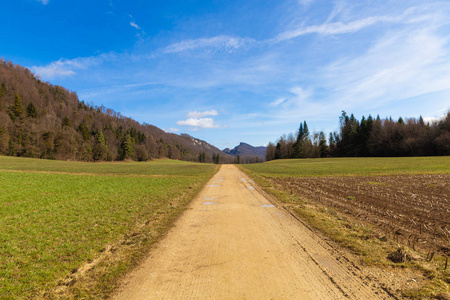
(38, 119)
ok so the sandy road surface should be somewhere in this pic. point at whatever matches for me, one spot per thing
(233, 244)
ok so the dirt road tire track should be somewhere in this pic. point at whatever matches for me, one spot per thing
(233, 243)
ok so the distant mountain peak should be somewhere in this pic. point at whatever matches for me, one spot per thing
(244, 149)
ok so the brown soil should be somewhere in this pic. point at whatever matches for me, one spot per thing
(234, 244)
(411, 209)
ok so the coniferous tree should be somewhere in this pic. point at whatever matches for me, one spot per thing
(31, 111)
(323, 148)
(100, 149)
(17, 110)
(66, 122)
(126, 147)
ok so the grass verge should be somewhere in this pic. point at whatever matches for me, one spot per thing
(70, 230)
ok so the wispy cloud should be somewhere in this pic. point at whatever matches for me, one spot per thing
(45, 2)
(67, 67)
(141, 33)
(133, 24)
(278, 102)
(336, 27)
(52, 70)
(221, 42)
(198, 114)
(399, 66)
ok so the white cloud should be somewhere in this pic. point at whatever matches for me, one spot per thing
(336, 27)
(52, 70)
(45, 2)
(198, 114)
(67, 67)
(199, 123)
(222, 42)
(133, 24)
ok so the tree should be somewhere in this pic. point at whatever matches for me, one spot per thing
(2, 93)
(100, 150)
(126, 147)
(348, 144)
(84, 131)
(140, 153)
(216, 158)
(31, 111)
(66, 122)
(301, 144)
(323, 148)
(17, 110)
(270, 152)
(202, 157)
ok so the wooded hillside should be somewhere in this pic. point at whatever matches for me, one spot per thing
(38, 119)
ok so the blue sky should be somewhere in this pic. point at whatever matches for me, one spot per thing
(232, 71)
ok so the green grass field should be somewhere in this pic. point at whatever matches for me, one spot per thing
(352, 166)
(56, 216)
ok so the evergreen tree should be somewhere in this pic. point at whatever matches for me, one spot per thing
(66, 122)
(31, 111)
(301, 144)
(100, 150)
(2, 93)
(2, 90)
(126, 147)
(216, 158)
(84, 131)
(17, 110)
(323, 148)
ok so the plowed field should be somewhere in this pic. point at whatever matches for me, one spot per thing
(411, 209)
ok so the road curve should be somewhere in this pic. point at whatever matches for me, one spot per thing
(232, 243)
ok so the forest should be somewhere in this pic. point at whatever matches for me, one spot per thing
(368, 137)
(41, 120)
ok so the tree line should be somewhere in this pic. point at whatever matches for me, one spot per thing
(41, 120)
(367, 137)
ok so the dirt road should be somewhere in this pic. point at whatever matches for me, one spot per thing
(234, 244)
